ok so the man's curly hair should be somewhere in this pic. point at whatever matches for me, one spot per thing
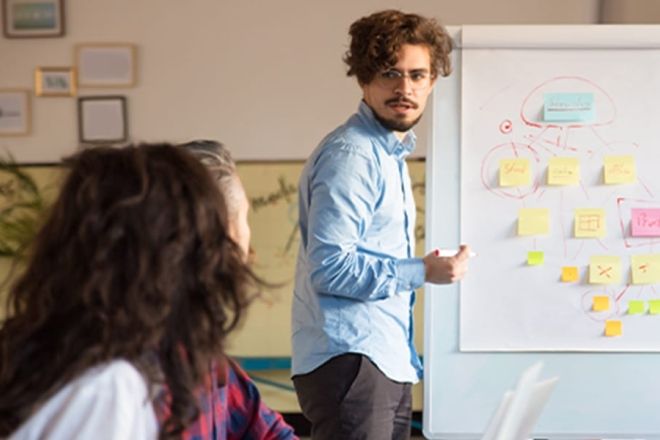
(376, 39)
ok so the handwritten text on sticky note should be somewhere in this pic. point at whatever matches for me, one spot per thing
(619, 169)
(604, 269)
(645, 222)
(514, 172)
(645, 268)
(589, 222)
(563, 171)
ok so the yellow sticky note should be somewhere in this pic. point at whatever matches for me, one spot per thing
(604, 269)
(563, 171)
(533, 221)
(635, 307)
(601, 303)
(654, 306)
(619, 169)
(613, 327)
(514, 172)
(535, 258)
(589, 222)
(645, 268)
(569, 274)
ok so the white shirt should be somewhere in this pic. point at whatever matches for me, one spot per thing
(107, 402)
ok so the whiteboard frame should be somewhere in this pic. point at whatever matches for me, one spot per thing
(599, 395)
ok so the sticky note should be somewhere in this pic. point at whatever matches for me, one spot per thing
(635, 307)
(645, 268)
(563, 171)
(535, 258)
(619, 169)
(645, 222)
(604, 269)
(568, 107)
(601, 303)
(613, 327)
(654, 306)
(533, 221)
(515, 172)
(569, 274)
(589, 222)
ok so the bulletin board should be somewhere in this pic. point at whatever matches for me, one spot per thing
(544, 160)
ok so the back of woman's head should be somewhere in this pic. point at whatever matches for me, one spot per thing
(133, 261)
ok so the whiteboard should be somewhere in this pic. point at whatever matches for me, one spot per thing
(508, 315)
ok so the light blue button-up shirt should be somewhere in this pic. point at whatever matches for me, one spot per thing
(356, 269)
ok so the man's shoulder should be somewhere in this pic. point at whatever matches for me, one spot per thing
(350, 139)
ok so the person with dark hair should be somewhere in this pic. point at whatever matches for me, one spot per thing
(230, 401)
(131, 288)
(354, 359)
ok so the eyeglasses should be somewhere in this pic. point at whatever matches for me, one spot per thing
(419, 79)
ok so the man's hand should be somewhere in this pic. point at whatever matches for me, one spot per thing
(445, 270)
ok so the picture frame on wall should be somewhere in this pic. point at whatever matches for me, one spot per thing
(54, 81)
(33, 18)
(14, 112)
(102, 119)
(106, 64)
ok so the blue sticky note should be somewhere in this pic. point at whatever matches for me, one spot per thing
(568, 107)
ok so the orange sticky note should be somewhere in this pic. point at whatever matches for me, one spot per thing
(613, 327)
(601, 303)
(569, 274)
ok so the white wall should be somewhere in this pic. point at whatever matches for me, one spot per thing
(265, 77)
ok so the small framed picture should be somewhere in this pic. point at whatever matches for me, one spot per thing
(54, 81)
(102, 119)
(14, 112)
(105, 65)
(33, 18)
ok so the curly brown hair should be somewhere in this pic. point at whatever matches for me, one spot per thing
(133, 262)
(377, 38)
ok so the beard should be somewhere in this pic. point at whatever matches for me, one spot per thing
(397, 124)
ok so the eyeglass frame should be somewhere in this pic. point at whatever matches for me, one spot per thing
(390, 82)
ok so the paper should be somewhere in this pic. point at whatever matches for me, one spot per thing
(569, 274)
(533, 221)
(519, 410)
(568, 107)
(589, 222)
(514, 172)
(635, 307)
(654, 306)
(619, 169)
(645, 222)
(645, 268)
(535, 258)
(563, 171)
(613, 327)
(600, 303)
(604, 269)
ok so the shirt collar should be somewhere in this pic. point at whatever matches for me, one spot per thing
(387, 138)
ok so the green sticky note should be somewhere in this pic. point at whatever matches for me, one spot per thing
(654, 306)
(535, 258)
(568, 107)
(635, 307)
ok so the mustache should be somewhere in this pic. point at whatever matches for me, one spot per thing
(402, 100)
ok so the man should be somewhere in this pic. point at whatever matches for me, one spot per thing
(354, 361)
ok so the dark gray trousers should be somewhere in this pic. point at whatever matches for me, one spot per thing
(348, 398)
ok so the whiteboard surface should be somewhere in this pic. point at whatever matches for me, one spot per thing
(599, 394)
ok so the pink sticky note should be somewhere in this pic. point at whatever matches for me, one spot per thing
(645, 222)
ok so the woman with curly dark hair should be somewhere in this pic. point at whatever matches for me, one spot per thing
(132, 285)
